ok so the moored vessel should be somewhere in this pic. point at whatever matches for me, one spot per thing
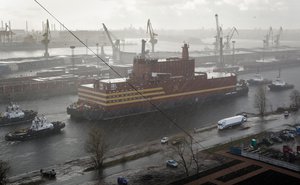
(40, 127)
(153, 83)
(278, 85)
(15, 115)
(258, 80)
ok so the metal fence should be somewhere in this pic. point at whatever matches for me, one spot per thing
(271, 161)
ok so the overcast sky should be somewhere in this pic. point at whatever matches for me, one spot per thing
(164, 14)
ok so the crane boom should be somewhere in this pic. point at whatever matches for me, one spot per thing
(217, 44)
(267, 38)
(115, 46)
(152, 35)
(108, 36)
(229, 37)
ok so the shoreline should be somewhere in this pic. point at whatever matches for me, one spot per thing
(76, 167)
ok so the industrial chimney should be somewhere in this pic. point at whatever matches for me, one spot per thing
(143, 52)
(185, 52)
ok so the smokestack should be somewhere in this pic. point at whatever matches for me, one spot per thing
(143, 52)
(185, 52)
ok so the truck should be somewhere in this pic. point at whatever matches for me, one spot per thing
(231, 121)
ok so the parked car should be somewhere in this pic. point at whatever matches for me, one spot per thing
(171, 163)
(164, 140)
(48, 174)
(276, 139)
(177, 141)
(286, 114)
(122, 181)
(287, 135)
(267, 142)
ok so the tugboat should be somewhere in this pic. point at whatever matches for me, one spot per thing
(15, 115)
(258, 80)
(278, 84)
(40, 127)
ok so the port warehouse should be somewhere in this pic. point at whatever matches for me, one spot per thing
(53, 82)
(244, 56)
(34, 87)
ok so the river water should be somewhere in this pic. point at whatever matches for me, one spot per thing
(39, 153)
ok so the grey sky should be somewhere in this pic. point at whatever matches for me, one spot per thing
(164, 14)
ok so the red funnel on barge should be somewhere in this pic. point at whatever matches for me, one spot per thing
(167, 83)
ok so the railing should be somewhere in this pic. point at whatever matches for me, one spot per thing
(271, 161)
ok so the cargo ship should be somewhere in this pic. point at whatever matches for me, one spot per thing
(152, 84)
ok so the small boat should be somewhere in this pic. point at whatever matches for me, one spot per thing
(15, 115)
(40, 127)
(258, 80)
(278, 85)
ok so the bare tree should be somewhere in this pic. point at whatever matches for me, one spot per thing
(95, 145)
(4, 168)
(260, 100)
(182, 151)
(188, 155)
(295, 98)
(194, 155)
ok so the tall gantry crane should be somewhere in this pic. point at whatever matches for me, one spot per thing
(115, 45)
(153, 39)
(269, 36)
(218, 36)
(229, 37)
(6, 33)
(277, 37)
(46, 38)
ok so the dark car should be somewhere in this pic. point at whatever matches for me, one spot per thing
(276, 139)
(48, 174)
(287, 135)
(267, 142)
(122, 181)
(286, 114)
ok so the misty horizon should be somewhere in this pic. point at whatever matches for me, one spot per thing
(164, 15)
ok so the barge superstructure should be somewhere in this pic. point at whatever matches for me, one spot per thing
(167, 83)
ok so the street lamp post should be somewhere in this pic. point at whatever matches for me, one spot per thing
(72, 59)
(97, 45)
(98, 62)
(233, 52)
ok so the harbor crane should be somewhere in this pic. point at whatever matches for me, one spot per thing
(266, 41)
(6, 33)
(46, 38)
(277, 38)
(229, 37)
(218, 36)
(115, 45)
(153, 35)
